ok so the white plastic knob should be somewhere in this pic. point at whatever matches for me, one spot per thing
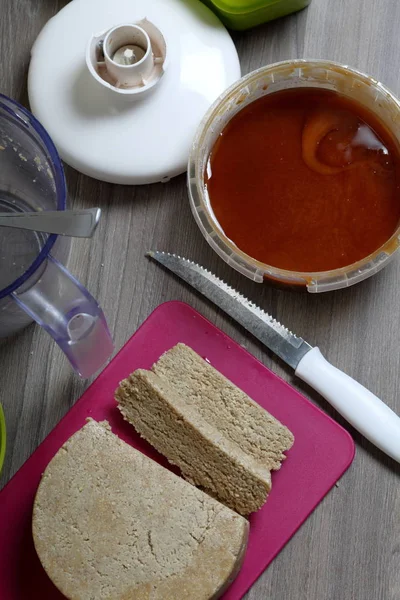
(128, 59)
(136, 73)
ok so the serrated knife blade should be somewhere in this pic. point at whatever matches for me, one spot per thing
(367, 413)
(270, 332)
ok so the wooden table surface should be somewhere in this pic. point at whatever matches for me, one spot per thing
(349, 549)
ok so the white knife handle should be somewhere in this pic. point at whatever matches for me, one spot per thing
(369, 415)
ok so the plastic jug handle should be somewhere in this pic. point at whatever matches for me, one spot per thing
(59, 303)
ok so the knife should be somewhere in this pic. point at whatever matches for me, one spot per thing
(369, 415)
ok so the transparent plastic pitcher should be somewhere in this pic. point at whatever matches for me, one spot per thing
(34, 284)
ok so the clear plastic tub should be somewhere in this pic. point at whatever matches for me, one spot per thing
(283, 75)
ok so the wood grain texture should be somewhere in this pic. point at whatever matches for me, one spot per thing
(349, 549)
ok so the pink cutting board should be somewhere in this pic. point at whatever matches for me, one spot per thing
(322, 451)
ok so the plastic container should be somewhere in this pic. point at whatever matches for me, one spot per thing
(34, 284)
(288, 74)
(243, 14)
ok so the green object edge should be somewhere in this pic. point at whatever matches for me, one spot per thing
(238, 20)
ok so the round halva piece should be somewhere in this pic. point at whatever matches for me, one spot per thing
(110, 523)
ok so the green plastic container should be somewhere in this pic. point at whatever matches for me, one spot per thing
(243, 14)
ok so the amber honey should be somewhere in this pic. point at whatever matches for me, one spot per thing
(306, 180)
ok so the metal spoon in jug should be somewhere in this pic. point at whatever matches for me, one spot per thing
(74, 223)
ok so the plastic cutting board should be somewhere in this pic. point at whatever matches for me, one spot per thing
(322, 451)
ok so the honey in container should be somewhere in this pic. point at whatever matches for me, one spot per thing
(305, 180)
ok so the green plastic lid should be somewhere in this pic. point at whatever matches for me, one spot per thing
(242, 6)
(2, 437)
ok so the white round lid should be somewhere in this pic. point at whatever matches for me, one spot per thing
(129, 139)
